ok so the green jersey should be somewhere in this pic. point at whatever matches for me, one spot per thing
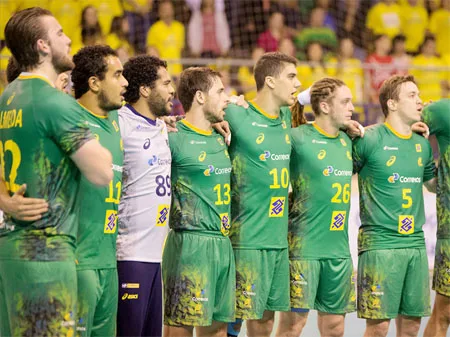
(200, 177)
(321, 175)
(97, 233)
(260, 151)
(40, 128)
(437, 116)
(392, 169)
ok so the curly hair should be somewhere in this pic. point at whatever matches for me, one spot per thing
(89, 61)
(323, 90)
(140, 71)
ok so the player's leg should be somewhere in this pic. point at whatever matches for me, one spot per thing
(105, 318)
(381, 274)
(377, 327)
(234, 328)
(134, 292)
(335, 295)
(439, 321)
(88, 297)
(304, 280)
(261, 327)
(216, 329)
(291, 324)
(154, 323)
(178, 331)
(40, 297)
(407, 326)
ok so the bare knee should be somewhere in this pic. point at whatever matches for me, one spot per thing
(262, 326)
(331, 325)
(376, 328)
(291, 324)
(442, 304)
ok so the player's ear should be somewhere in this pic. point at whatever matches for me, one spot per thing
(200, 97)
(324, 108)
(390, 104)
(144, 91)
(94, 84)
(270, 82)
(43, 47)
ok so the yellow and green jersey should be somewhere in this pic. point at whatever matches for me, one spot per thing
(260, 151)
(321, 175)
(437, 116)
(40, 128)
(392, 169)
(97, 232)
(201, 192)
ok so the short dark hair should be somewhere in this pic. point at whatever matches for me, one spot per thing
(192, 80)
(391, 90)
(89, 61)
(13, 69)
(22, 32)
(270, 64)
(140, 71)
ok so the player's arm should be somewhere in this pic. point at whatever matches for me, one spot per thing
(94, 162)
(431, 185)
(429, 173)
(19, 207)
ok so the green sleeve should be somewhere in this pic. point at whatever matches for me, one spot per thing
(233, 115)
(430, 168)
(62, 119)
(434, 114)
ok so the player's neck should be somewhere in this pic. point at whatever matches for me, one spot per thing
(398, 125)
(90, 102)
(267, 103)
(326, 125)
(45, 70)
(196, 117)
(142, 107)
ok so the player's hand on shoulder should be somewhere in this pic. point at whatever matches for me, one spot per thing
(239, 101)
(421, 128)
(354, 129)
(171, 122)
(25, 209)
(224, 129)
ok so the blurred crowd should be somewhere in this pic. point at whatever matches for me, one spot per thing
(362, 42)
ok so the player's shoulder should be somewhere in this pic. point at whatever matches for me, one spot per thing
(372, 135)
(343, 135)
(233, 109)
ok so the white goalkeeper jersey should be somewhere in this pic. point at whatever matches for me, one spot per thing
(145, 203)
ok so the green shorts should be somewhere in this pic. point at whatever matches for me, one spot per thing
(393, 282)
(262, 282)
(325, 285)
(199, 282)
(441, 275)
(37, 298)
(97, 302)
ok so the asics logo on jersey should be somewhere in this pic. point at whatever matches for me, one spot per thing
(127, 296)
(388, 148)
(288, 140)
(331, 170)
(266, 155)
(146, 144)
(391, 161)
(283, 124)
(349, 156)
(395, 176)
(260, 125)
(322, 154)
(202, 156)
(10, 99)
(260, 138)
(419, 161)
(220, 140)
(343, 142)
(210, 170)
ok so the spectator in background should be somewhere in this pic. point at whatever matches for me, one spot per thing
(291, 14)
(226, 80)
(329, 20)
(400, 59)
(167, 37)
(348, 69)
(137, 13)
(89, 31)
(286, 46)
(381, 66)
(107, 10)
(118, 38)
(314, 70)
(414, 23)
(271, 37)
(440, 27)
(65, 12)
(384, 18)
(316, 32)
(246, 78)
(428, 71)
(208, 31)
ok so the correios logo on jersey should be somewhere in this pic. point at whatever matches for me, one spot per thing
(215, 170)
(330, 170)
(397, 177)
(154, 160)
(267, 155)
